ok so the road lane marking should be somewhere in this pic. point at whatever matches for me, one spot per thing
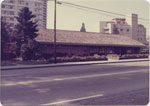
(11, 83)
(12, 75)
(97, 75)
(73, 100)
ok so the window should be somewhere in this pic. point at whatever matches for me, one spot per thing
(11, 1)
(128, 30)
(11, 19)
(11, 24)
(4, 18)
(35, 4)
(10, 13)
(118, 22)
(7, 6)
(11, 7)
(4, 12)
(3, 6)
(121, 29)
(106, 29)
(21, 2)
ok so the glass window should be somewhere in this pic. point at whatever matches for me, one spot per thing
(106, 29)
(121, 29)
(11, 24)
(11, 19)
(4, 12)
(4, 18)
(21, 2)
(11, 7)
(10, 13)
(3, 6)
(11, 1)
(118, 22)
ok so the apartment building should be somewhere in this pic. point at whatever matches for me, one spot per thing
(115, 26)
(127, 26)
(10, 9)
(141, 33)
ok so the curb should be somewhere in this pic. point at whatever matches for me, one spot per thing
(72, 64)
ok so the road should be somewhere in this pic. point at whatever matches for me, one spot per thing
(97, 84)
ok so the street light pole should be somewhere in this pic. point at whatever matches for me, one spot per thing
(55, 60)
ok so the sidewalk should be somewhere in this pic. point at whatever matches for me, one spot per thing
(69, 64)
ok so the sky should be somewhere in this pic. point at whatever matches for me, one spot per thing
(69, 18)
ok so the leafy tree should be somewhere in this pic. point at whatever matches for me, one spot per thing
(4, 33)
(5, 37)
(26, 28)
(83, 28)
(25, 32)
(30, 50)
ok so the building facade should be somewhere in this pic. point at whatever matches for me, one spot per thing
(127, 26)
(76, 43)
(116, 26)
(141, 33)
(10, 9)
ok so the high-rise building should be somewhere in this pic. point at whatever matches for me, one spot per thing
(132, 20)
(127, 26)
(10, 9)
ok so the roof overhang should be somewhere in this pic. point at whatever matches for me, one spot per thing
(83, 44)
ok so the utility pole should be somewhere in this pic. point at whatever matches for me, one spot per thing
(55, 2)
(55, 60)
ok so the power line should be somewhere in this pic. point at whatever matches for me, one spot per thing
(98, 9)
(94, 9)
(88, 10)
(91, 8)
(143, 21)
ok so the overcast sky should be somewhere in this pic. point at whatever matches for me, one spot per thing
(69, 18)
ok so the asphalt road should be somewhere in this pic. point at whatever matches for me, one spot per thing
(99, 84)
